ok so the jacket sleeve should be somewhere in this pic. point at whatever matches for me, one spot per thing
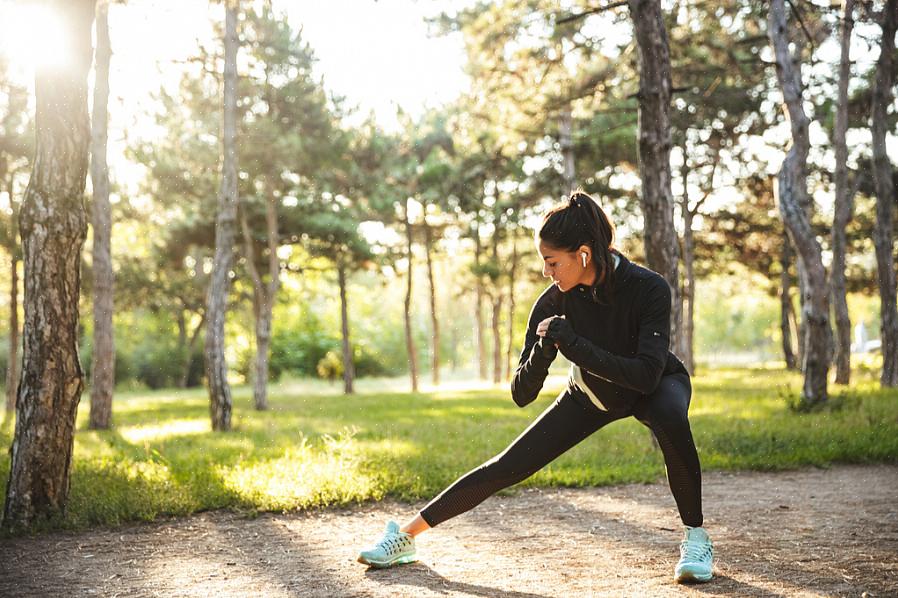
(643, 371)
(533, 366)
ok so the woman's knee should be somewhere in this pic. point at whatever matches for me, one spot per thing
(669, 404)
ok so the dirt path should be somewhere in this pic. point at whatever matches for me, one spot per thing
(805, 533)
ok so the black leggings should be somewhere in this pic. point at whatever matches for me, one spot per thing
(570, 419)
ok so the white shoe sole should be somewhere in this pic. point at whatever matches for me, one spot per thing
(403, 560)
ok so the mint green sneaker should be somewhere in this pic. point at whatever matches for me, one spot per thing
(395, 548)
(696, 557)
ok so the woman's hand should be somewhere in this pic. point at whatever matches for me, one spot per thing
(560, 331)
(543, 327)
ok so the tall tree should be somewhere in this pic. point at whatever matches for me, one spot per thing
(103, 359)
(53, 225)
(796, 209)
(661, 244)
(885, 193)
(787, 311)
(220, 402)
(407, 304)
(287, 135)
(264, 295)
(844, 203)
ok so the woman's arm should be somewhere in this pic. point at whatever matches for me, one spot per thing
(643, 371)
(536, 357)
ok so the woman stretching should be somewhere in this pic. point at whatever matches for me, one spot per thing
(611, 319)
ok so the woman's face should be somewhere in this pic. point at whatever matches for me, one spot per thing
(566, 268)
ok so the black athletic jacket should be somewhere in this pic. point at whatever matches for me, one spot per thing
(622, 348)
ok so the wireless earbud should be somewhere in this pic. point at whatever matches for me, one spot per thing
(583, 254)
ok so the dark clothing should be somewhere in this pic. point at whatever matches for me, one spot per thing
(622, 347)
(622, 350)
(570, 419)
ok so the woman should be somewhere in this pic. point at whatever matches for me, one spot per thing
(611, 319)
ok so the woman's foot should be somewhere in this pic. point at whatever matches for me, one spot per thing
(395, 548)
(696, 557)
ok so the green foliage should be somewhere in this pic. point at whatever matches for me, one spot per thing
(298, 349)
(314, 448)
(330, 367)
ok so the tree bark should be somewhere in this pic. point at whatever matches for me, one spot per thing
(792, 196)
(478, 306)
(220, 402)
(885, 194)
(103, 362)
(409, 338)
(688, 295)
(434, 319)
(53, 225)
(661, 245)
(786, 304)
(512, 274)
(12, 365)
(688, 299)
(190, 345)
(844, 204)
(496, 313)
(348, 368)
(497, 335)
(263, 297)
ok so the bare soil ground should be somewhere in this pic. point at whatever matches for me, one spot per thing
(804, 533)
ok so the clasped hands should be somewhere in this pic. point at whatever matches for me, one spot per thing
(555, 332)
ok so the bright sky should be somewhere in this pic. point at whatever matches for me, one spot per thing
(377, 54)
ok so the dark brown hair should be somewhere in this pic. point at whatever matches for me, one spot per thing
(580, 221)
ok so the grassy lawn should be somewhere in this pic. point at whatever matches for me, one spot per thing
(320, 448)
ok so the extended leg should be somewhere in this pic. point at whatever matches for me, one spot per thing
(561, 426)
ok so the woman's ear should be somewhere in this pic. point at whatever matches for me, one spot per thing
(584, 249)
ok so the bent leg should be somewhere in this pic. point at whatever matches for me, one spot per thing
(665, 413)
(561, 426)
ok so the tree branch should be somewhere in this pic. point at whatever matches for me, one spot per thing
(592, 11)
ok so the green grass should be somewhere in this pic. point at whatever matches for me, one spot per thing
(314, 449)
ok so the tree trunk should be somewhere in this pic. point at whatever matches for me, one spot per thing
(53, 225)
(497, 336)
(348, 369)
(786, 304)
(263, 297)
(792, 196)
(478, 306)
(512, 274)
(800, 325)
(409, 339)
(885, 194)
(434, 320)
(844, 205)
(688, 296)
(661, 247)
(102, 382)
(220, 402)
(496, 312)
(12, 365)
(565, 140)
(188, 358)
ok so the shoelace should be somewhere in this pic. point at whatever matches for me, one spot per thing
(391, 543)
(695, 551)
